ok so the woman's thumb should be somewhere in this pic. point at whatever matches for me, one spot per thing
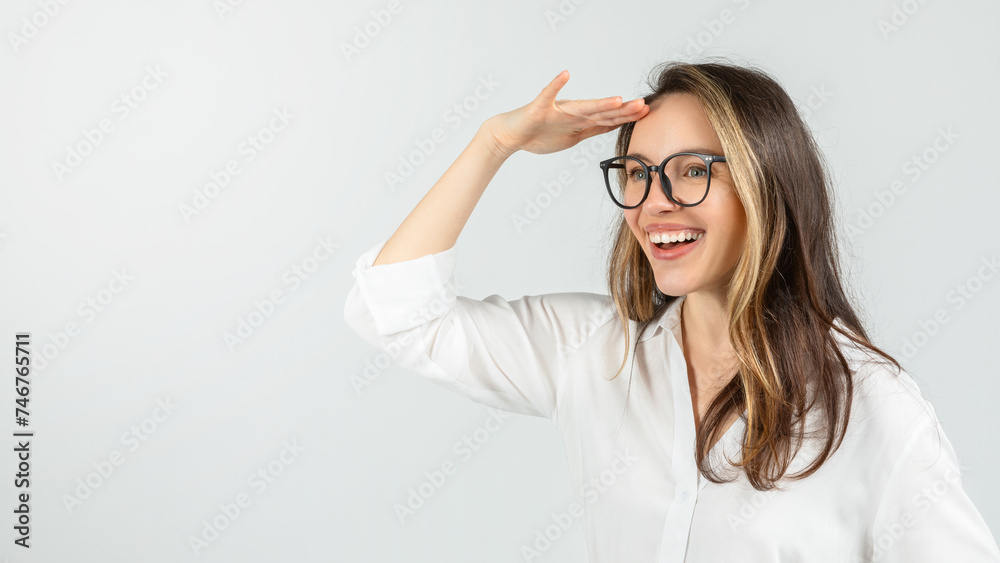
(550, 92)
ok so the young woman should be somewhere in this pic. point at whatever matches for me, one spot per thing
(757, 422)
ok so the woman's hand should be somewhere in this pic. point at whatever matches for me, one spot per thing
(549, 125)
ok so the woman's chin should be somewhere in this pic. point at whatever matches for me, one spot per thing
(674, 287)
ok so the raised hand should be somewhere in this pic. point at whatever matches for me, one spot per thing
(547, 125)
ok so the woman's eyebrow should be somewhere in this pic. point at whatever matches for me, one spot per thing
(700, 150)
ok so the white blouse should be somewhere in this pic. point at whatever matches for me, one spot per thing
(892, 492)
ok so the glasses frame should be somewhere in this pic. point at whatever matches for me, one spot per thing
(708, 159)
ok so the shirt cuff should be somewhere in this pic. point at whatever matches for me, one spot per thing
(407, 294)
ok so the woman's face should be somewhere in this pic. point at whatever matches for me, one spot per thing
(677, 123)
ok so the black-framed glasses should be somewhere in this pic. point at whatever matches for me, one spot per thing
(684, 177)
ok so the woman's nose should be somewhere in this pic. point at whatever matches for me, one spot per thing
(657, 198)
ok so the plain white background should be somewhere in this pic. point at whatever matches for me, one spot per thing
(204, 264)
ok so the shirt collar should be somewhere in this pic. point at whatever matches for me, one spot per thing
(669, 319)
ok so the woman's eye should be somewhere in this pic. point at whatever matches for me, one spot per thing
(637, 174)
(696, 172)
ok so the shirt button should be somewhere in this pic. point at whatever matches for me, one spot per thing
(684, 495)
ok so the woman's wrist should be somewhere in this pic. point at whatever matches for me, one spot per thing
(487, 135)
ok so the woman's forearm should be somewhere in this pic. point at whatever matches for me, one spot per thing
(436, 221)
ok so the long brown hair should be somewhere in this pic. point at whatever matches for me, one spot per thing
(786, 289)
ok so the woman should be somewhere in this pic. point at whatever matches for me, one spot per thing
(758, 422)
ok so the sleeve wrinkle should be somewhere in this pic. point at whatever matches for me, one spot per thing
(508, 354)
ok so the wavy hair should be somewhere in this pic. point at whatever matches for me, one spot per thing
(786, 290)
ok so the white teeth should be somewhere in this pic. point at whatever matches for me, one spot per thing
(674, 237)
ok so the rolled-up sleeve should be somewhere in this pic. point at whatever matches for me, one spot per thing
(924, 513)
(511, 355)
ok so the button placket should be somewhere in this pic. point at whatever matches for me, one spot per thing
(680, 514)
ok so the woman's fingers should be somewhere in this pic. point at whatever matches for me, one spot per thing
(548, 124)
(620, 118)
(608, 111)
(549, 93)
(605, 112)
(628, 112)
(588, 107)
(602, 108)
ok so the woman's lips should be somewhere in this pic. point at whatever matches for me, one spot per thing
(677, 251)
